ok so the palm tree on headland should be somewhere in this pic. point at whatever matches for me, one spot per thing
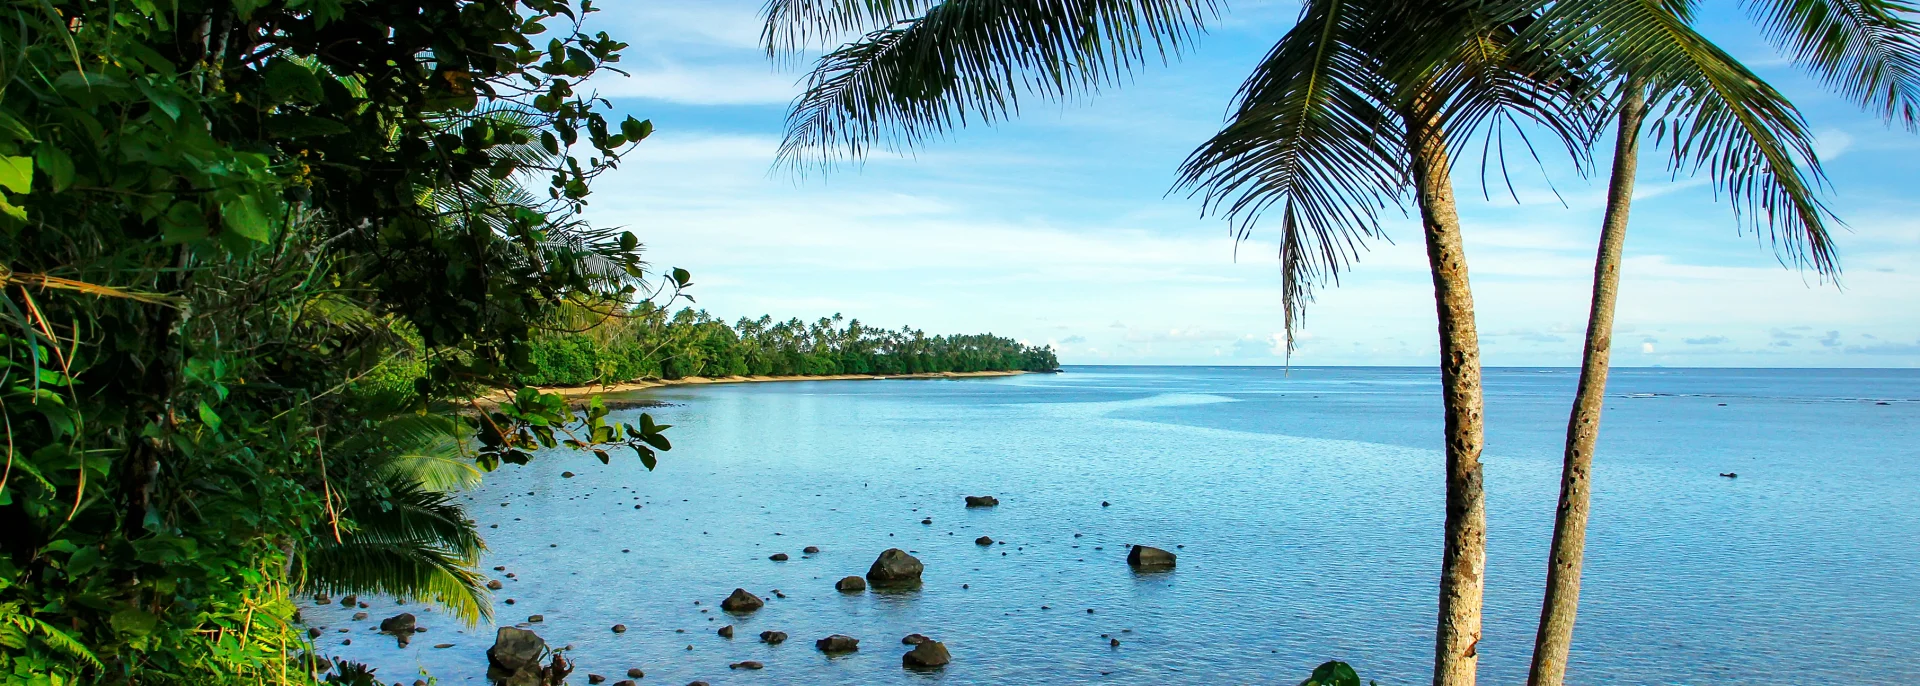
(1715, 116)
(1355, 108)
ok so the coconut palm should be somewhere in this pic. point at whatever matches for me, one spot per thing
(1355, 108)
(1717, 117)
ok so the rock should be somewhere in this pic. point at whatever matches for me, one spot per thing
(983, 540)
(749, 664)
(566, 475)
(696, 683)
(350, 601)
(837, 643)
(595, 679)
(982, 501)
(851, 584)
(726, 631)
(402, 623)
(494, 584)
(1149, 556)
(359, 616)
(313, 632)
(536, 619)
(926, 655)
(1104, 503)
(742, 601)
(773, 637)
(914, 640)
(322, 599)
(928, 520)
(625, 682)
(778, 557)
(515, 656)
(635, 673)
(1113, 642)
(894, 566)
(811, 550)
(1730, 475)
(442, 646)
(619, 628)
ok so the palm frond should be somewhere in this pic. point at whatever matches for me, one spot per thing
(1868, 50)
(966, 60)
(410, 571)
(16, 628)
(1714, 115)
(795, 25)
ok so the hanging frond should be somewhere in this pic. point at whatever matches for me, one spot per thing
(414, 543)
(1868, 50)
(18, 628)
(795, 25)
(966, 60)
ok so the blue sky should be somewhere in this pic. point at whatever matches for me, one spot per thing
(1057, 227)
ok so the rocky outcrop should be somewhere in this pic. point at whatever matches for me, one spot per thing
(1146, 556)
(894, 567)
(399, 624)
(852, 584)
(926, 655)
(982, 501)
(514, 659)
(742, 601)
(837, 643)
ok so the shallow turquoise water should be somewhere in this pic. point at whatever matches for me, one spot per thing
(1308, 504)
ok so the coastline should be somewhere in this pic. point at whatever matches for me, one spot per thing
(579, 394)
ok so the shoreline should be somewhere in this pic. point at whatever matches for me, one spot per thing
(579, 394)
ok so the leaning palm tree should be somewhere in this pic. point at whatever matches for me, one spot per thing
(1717, 117)
(1356, 108)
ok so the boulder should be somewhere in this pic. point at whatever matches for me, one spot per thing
(837, 643)
(810, 550)
(726, 631)
(595, 679)
(778, 557)
(851, 584)
(635, 673)
(773, 637)
(359, 616)
(749, 664)
(983, 540)
(494, 584)
(625, 682)
(619, 628)
(914, 640)
(566, 475)
(515, 657)
(350, 601)
(926, 655)
(321, 599)
(1149, 556)
(402, 623)
(894, 566)
(742, 601)
(536, 619)
(982, 501)
(313, 632)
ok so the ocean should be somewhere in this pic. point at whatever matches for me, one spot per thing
(1305, 506)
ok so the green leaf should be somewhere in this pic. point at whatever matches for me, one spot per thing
(209, 417)
(57, 165)
(244, 216)
(288, 80)
(133, 621)
(636, 130)
(16, 174)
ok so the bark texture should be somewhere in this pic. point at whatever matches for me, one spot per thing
(1554, 640)
(1456, 656)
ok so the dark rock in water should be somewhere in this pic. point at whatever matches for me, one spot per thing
(494, 584)
(635, 673)
(749, 664)
(350, 601)
(928, 520)
(726, 631)
(914, 640)
(1114, 642)
(313, 632)
(1104, 503)
(536, 619)
(402, 623)
(1730, 475)
(322, 599)
(556, 673)
(1149, 556)
(742, 601)
(894, 566)
(811, 550)
(625, 682)
(778, 557)
(619, 628)
(773, 637)
(696, 683)
(837, 643)
(983, 540)
(595, 679)
(982, 501)
(851, 584)
(357, 616)
(566, 475)
(442, 646)
(515, 657)
(926, 655)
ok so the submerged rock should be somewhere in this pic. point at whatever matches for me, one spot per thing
(983, 540)
(837, 643)
(749, 664)
(350, 601)
(1149, 556)
(595, 679)
(773, 637)
(635, 673)
(914, 639)
(926, 655)
(742, 601)
(982, 501)
(778, 557)
(851, 584)
(402, 623)
(894, 566)
(726, 631)
(810, 550)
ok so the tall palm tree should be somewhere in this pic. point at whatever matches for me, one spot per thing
(1358, 104)
(1721, 118)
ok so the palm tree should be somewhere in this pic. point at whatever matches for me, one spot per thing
(1357, 104)
(1724, 119)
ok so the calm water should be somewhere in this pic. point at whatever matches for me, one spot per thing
(1309, 508)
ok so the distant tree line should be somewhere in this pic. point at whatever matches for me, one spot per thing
(653, 344)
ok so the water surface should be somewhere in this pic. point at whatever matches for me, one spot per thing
(1305, 507)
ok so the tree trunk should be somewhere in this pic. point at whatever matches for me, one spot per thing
(1455, 660)
(1555, 637)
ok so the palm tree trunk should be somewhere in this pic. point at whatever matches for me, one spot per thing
(1462, 568)
(1555, 637)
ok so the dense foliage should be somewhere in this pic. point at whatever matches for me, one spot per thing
(216, 216)
(652, 344)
